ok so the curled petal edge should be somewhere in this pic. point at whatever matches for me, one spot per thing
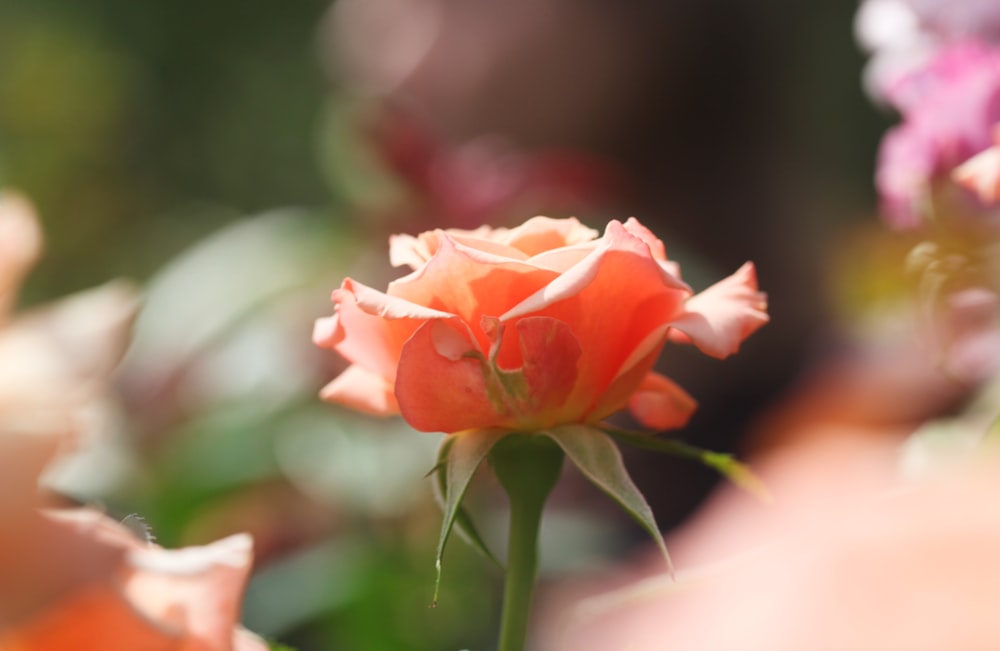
(718, 319)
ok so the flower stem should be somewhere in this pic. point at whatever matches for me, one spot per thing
(528, 467)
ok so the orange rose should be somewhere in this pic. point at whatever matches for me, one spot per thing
(530, 327)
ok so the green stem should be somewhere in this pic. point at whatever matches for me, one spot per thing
(528, 468)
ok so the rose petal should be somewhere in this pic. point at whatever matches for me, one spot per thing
(438, 389)
(415, 252)
(194, 591)
(541, 234)
(654, 243)
(564, 258)
(369, 327)
(622, 270)
(617, 394)
(363, 390)
(718, 319)
(551, 354)
(117, 593)
(659, 403)
(470, 283)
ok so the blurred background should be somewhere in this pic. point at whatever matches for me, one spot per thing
(238, 159)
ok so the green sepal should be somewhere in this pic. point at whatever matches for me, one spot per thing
(598, 458)
(458, 463)
(463, 522)
(725, 464)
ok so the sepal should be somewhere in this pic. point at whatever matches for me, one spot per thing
(459, 458)
(725, 464)
(598, 458)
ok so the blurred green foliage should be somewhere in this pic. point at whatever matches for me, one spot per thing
(136, 127)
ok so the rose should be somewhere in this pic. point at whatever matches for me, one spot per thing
(531, 327)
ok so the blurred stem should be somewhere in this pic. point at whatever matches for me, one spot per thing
(528, 468)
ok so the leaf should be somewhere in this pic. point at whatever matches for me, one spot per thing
(466, 528)
(738, 473)
(599, 459)
(461, 459)
(276, 646)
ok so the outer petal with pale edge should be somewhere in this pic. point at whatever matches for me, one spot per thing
(718, 319)
(370, 327)
(363, 390)
(154, 599)
(535, 236)
(659, 403)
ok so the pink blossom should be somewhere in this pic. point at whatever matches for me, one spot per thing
(949, 108)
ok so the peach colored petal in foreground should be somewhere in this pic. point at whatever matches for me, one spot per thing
(141, 597)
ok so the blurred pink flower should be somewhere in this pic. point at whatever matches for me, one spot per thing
(486, 179)
(903, 35)
(949, 108)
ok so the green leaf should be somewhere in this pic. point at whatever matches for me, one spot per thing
(736, 472)
(599, 459)
(461, 459)
(463, 521)
(275, 646)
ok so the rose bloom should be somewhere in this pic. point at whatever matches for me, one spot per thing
(531, 327)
